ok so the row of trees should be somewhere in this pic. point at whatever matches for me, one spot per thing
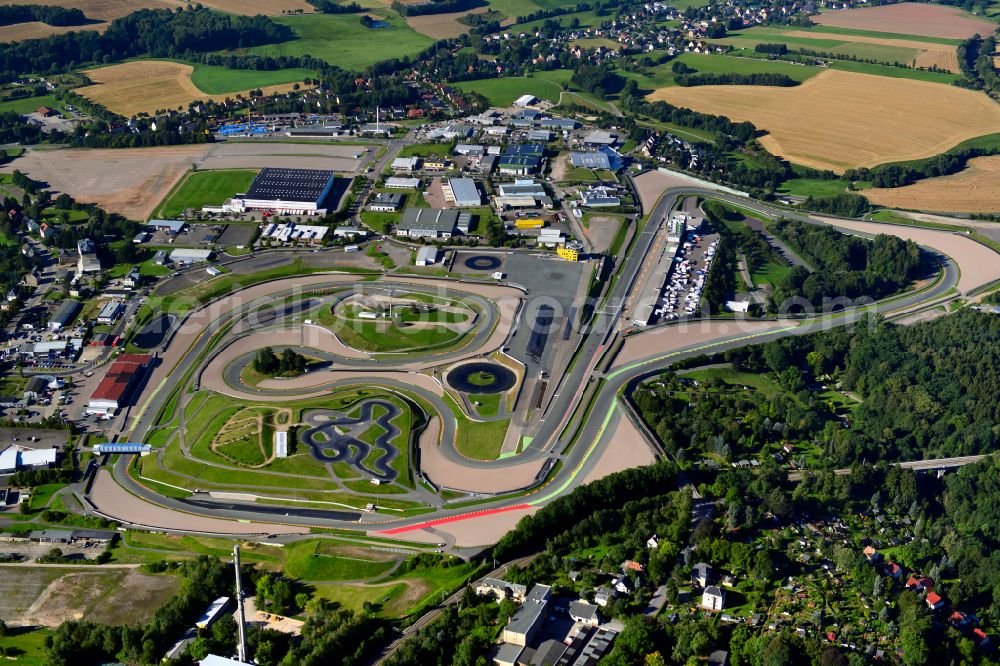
(57, 16)
(435, 7)
(733, 79)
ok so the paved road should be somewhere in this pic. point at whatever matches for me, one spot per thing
(919, 465)
(579, 385)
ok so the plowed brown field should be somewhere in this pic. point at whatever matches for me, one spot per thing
(943, 56)
(975, 189)
(838, 120)
(910, 18)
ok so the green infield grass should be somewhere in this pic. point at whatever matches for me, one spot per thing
(205, 188)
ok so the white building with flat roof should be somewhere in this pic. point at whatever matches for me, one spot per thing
(189, 256)
(395, 183)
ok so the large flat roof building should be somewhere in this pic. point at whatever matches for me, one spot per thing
(63, 315)
(432, 223)
(462, 192)
(285, 191)
(118, 384)
(189, 256)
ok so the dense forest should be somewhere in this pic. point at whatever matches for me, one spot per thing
(928, 390)
(899, 175)
(159, 33)
(843, 266)
(57, 16)
(330, 7)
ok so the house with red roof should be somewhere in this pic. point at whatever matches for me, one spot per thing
(894, 570)
(934, 601)
(980, 637)
(871, 554)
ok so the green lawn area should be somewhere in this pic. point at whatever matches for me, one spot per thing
(41, 495)
(501, 92)
(380, 222)
(475, 439)
(341, 40)
(27, 647)
(322, 561)
(662, 76)
(894, 72)
(426, 150)
(204, 188)
(514, 8)
(813, 187)
(30, 104)
(388, 336)
(216, 80)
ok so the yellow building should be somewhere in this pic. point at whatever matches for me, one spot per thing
(568, 254)
(530, 223)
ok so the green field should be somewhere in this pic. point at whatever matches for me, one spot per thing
(221, 80)
(27, 647)
(30, 104)
(501, 92)
(662, 76)
(205, 188)
(748, 39)
(323, 561)
(341, 40)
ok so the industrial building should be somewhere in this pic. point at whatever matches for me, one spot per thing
(405, 164)
(283, 191)
(291, 232)
(189, 256)
(427, 256)
(595, 160)
(63, 315)
(172, 227)
(522, 159)
(14, 458)
(432, 223)
(525, 100)
(110, 313)
(462, 192)
(118, 385)
(394, 183)
(529, 617)
(386, 202)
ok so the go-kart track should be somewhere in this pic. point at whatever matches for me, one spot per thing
(348, 448)
(212, 346)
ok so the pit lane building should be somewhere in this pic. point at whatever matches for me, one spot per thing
(283, 191)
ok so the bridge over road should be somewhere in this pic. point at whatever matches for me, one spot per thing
(919, 465)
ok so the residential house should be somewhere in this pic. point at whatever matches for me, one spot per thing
(934, 601)
(701, 574)
(584, 613)
(713, 599)
(871, 554)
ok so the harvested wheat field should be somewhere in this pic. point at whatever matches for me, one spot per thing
(149, 86)
(442, 26)
(130, 181)
(838, 120)
(20, 32)
(254, 7)
(910, 18)
(943, 56)
(975, 189)
(103, 10)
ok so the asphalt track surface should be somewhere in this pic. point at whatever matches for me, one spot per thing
(503, 378)
(552, 434)
(343, 444)
(483, 262)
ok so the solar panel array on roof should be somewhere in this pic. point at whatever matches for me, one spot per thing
(308, 185)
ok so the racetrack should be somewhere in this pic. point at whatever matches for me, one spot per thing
(348, 448)
(593, 454)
